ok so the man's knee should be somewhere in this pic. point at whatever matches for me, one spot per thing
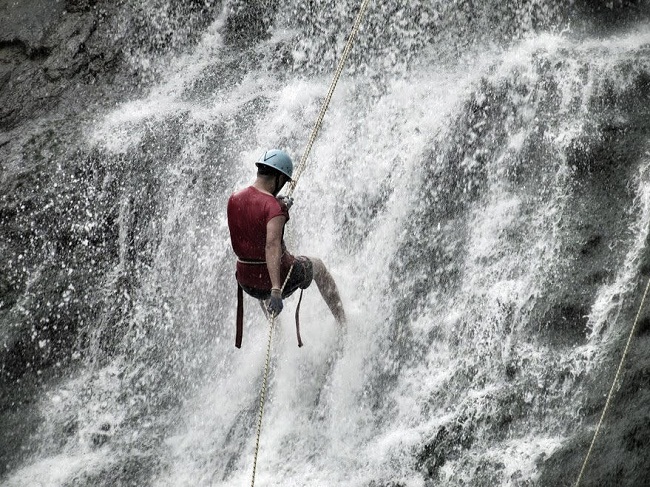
(322, 277)
(318, 267)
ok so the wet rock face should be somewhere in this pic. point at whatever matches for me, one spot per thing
(40, 42)
(620, 453)
(613, 14)
(28, 22)
(602, 168)
(68, 60)
(46, 53)
(52, 49)
(248, 21)
(63, 209)
(61, 63)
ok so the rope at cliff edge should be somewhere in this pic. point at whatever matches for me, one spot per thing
(339, 69)
(611, 390)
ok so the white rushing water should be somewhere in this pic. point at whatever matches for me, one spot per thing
(432, 341)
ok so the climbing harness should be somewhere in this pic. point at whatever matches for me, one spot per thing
(240, 307)
(296, 176)
(611, 390)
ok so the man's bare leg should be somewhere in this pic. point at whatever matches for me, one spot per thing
(328, 290)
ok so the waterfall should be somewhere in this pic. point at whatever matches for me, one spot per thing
(479, 190)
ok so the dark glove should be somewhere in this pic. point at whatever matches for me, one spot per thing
(287, 200)
(275, 305)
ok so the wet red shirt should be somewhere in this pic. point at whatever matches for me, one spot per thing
(249, 211)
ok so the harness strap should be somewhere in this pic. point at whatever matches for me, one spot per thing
(240, 316)
(251, 262)
(298, 319)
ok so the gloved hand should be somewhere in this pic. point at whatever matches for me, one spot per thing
(275, 305)
(287, 200)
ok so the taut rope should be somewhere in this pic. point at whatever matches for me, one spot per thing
(346, 52)
(611, 390)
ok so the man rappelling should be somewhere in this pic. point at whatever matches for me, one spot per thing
(265, 269)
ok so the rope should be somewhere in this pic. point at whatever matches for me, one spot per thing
(611, 390)
(298, 171)
(346, 51)
(262, 397)
(264, 381)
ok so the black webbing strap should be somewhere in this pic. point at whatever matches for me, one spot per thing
(298, 319)
(240, 316)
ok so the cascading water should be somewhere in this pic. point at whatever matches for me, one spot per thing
(483, 205)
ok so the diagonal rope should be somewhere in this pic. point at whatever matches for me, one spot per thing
(339, 69)
(611, 390)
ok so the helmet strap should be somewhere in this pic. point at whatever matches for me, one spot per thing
(277, 185)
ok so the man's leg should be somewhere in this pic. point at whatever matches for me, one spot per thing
(328, 290)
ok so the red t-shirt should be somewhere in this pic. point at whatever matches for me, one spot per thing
(249, 211)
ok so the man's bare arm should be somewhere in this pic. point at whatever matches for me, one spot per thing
(273, 249)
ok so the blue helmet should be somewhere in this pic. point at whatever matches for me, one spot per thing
(278, 160)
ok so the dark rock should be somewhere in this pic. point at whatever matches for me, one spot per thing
(248, 22)
(51, 48)
(99, 439)
(610, 15)
(58, 213)
(134, 470)
(564, 324)
(591, 245)
(79, 5)
(643, 327)
(20, 416)
(620, 455)
(26, 23)
(449, 442)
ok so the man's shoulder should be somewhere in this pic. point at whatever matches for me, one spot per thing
(252, 195)
(244, 193)
(241, 191)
